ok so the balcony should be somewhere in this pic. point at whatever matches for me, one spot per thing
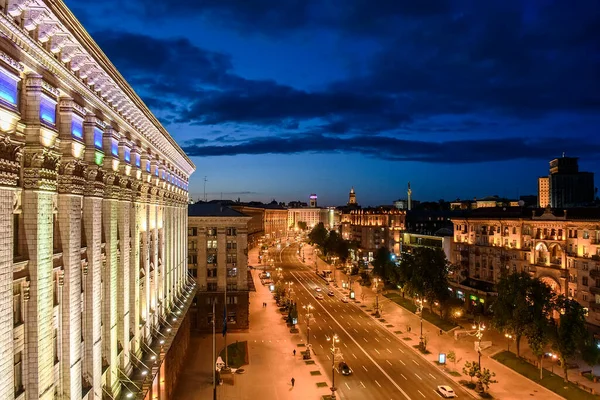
(556, 261)
(595, 273)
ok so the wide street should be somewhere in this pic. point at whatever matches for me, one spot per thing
(384, 366)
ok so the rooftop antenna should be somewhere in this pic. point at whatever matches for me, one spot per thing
(205, 188)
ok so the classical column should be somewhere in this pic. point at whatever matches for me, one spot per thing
(39, 195)
(135, 292)
(161, 254)
(153, 256)
(10, 163)
(92, 308)
(145, 267)
(124, 275)
(110, 205)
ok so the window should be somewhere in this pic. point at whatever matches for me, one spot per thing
(8, 87)
(586, 235)
(232, 300)
(211, 272)
(232, 272)
(211, 286)
(77, 127)
(48, 110)
(211, 232)
(514, 230)
(193, 272)
(114, 147)
(127, 155)
(138, 160)
(192, 231)
(232, 286)
(98, 138)
(55, 346)
(231, 245)
(584, 280)
(231, 258)
(211, 258)
(18, 370)
(17, 304)
(231, 317)
(211, 244)
(231, 232)
(193, 259)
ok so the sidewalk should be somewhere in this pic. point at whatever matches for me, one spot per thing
(396, 319)
(271, 362)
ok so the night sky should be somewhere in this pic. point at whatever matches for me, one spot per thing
(283, 98)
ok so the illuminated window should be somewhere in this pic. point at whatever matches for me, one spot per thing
(138, 161)
(98, 138)
(156, 171)
(148, 166)
(48, 109)
(127, 155)
(8, 87)
(114, 148)
(77, 127)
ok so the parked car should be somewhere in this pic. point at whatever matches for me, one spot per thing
(330, 293)
(345, 299)
(446, 391)
(344, 369)
(319, 296)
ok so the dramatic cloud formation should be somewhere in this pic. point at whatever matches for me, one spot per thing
(433, 81)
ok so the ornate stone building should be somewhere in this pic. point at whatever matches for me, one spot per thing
(561, 247)
(93, 208)
(218, 261)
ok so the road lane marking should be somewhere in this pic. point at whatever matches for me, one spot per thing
(401, 351)
(388, 361)
(420, 392)
(377, 340)
(377, 383)
(403, 376)
(328, 358)
(330, 327)
(377, 351)
(389, 351)
(365, 368)
(392, 381)
(431, 375)
(402, 362)
(418, 376)
(415, 362)
(436, 392)
(366, 340)
(321, 345)
(347, 385)
(354, 356)
(363, 385)
(388, 339)
(354, 330)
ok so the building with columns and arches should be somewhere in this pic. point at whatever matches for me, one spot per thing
(94, 289)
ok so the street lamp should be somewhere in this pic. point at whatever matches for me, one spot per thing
(508, 337)
(290, 283)
(279, 272)
(308, 309)
(377, 280)
(479, 334)
(419, 312)
(335, 339)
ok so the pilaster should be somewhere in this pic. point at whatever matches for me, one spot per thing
(124, 278)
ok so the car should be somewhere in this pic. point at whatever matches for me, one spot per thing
(446, 391)
(345, 299)
(319, 296)
(344, 369)
(330, 293)
(318, 289)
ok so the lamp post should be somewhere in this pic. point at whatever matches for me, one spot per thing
(279, 272)
(334, 339)
(377, 280)
(419, 312)
(508, 337)
(479, 334)
(308, 309)
(290, 283)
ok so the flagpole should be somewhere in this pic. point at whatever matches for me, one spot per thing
(214, 343)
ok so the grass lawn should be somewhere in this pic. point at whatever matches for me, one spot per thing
(552, 382)
(427, 315)
(237, 354)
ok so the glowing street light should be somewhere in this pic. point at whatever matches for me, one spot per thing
(479, 334)
(334, 339)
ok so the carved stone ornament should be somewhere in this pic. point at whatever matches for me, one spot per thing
(94, 181)
(18, 202)
(10, 161)
(71, 177)
(40, 170)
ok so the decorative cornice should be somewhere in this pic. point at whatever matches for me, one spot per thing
(71, 177)
(46, 86)
(94, 181)
(40, 169)
(11, 61)
(10, 161)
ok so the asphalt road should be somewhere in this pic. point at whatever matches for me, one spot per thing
(384, 366)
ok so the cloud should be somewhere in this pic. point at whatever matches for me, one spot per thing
(394, 149)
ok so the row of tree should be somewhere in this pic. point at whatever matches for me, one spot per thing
(330, 242)
(527, 307)
(423, 273)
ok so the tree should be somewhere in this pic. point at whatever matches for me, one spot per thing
(302, 225)
(384, 266)
(540, 298)
(318, 235)
(484, 379)
(452, 357)
(331, 243)
(570, 332)
(511, 309)
(471, 369)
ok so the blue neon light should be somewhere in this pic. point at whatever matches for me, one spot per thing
(148, 166)
(8, 88)
(48, 110)
(138, 160)
(97, 138)
(77, 128)
(127, 155)
(114, 148)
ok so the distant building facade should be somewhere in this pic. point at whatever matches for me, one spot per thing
(218, 261)
(310, 215)
(561, 247)
(352, 198)
(269, 221)
(373, 228)
(566, 186)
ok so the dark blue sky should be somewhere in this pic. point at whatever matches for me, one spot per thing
(281, 98)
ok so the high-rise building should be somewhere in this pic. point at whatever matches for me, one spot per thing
(94, 290)
(313, 200)
(218, 261)
(565, 186)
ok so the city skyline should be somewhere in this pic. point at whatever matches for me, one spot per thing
(301, 99)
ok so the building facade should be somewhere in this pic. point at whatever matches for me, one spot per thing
(566, 186)
(543, 191)
(218, 261)
(561, 247)
(93, 204)
(443, 241)
(269, 221)
(310, 215)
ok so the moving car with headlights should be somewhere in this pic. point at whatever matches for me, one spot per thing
(345, 299)
(344, 369)
(318, 289)
(319, 296)
(446, 391)
(330, 293)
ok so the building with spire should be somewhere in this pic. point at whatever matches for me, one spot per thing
(352, 198)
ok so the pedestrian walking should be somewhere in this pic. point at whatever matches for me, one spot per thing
(293, 381)
(294, 352)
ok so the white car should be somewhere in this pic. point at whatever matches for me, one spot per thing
(318, 289)
(446, 391)
(345, 299)
(319, 296)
